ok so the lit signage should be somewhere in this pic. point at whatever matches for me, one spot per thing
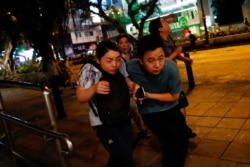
(183, 21)
(167, 5)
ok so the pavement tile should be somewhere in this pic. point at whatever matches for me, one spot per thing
(200, 109)
(200, 161)
(243, 165)
(199, 95)
(201, 131)
(246, 125)
(239, 110)
(238, 152)
(215, 97)
(192, 104)
(232, 97)
(247, 93)
(245, 99)
(219, 109)
(207, 121)
(238, 86)
(210, 148)
(232, 123)
(222, 134)
(243, 137)
(191, 119)
(226, 163)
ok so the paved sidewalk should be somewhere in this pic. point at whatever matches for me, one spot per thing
(219, 112)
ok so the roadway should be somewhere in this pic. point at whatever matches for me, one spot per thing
(229, 63)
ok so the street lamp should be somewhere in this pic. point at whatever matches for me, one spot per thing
(204, 22)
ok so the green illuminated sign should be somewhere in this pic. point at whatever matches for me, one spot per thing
(183, 21)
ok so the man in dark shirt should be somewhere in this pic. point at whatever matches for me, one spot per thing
(160, 29)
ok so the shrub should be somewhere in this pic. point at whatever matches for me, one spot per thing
(1, 72)
(26, 68)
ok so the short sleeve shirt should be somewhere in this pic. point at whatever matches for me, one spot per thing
(90, 75)
(169, 46)
(167, 81)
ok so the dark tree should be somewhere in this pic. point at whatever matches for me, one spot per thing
(137, 13)
(34, 18)
(227, 11)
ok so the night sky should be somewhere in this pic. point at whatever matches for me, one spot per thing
(232, 12)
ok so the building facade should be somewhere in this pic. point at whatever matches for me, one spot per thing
(183, 15)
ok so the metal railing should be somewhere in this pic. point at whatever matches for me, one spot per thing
(60, 139)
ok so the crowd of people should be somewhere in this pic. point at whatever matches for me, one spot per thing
(159, 108)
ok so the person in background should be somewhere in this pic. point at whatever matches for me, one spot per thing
(192, 39)
(53, 74)
(246, 22)
(116, 139)
(159, 76)
(66, 65)
(160, 29)
(124, 44)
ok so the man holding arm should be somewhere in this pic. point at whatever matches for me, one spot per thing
(159, 76)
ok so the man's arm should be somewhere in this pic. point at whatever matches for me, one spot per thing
(184, 59)
(132, 85)
(163, 97)
(176, 54)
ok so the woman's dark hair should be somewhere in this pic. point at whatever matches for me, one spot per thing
(148, 43)
(120, 36)
(104, 46)
(154, 26)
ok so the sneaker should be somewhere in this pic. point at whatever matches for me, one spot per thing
(192, 135)
(144, 134)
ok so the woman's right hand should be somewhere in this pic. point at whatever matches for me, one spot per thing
(102, 87)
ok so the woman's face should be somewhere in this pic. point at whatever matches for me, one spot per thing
(111, 62)
(124, 45)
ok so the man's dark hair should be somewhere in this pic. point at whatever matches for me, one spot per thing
(104, 46)
(148, 43)
(154, 26)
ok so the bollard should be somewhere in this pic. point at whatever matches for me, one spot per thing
(190, 75)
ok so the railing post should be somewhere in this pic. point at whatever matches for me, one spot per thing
(51, 113)
(190, 75)
(7, 132)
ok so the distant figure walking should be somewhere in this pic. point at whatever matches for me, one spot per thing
(192, 39)
(53, 75)
(246, 22)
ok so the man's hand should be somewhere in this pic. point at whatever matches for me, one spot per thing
(188, 60)
(178, 50)
(133, 88)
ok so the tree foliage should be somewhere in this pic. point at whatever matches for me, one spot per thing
(34, 20)
(137, 14)
(45, 21)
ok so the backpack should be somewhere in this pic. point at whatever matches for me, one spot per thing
(114, 107)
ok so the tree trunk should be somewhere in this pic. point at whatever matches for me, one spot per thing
(6, 58)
